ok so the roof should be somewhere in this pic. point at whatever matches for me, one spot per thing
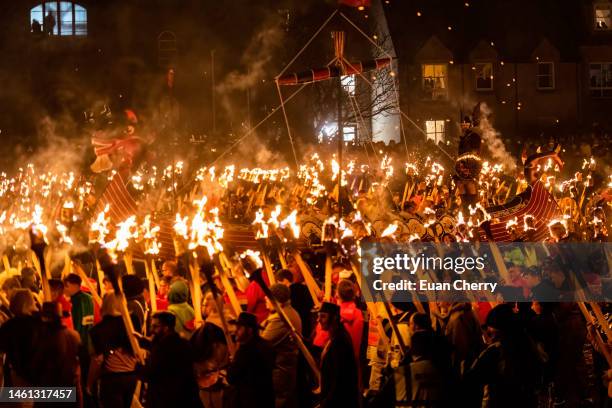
(513, 27)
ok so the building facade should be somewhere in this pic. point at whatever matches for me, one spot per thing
(540, 67)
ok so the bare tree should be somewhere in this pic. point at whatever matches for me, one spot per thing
(364, 96)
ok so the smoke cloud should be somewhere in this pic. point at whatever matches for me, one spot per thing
(258, 55)
(493, 140)
(55, 151)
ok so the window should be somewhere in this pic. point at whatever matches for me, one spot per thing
(435, 130)
(349, 133)
(434, 81)
(329, 132)
(59, 18)
(166, 49)
(600, 79)
(348, 83)
(484, 76)
(546, 75)
(603, 16)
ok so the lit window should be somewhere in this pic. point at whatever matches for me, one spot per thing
(435, 130)
(435, 81)
(59, 18)
(349, 133)
(603, 16)
(348, 83)
(484, 76)
(600, 79)
(546, 75)
(329, 132)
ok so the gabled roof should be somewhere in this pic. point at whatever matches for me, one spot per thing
(433, 50)
(545, 51)
(514, 27)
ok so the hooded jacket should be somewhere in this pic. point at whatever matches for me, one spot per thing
(185, 315)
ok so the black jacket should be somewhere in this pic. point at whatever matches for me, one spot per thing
(169, 373)
(251, 375)
(339, 373)
(18, 339)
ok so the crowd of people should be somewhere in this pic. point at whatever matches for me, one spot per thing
(254, 334)
(524, 354)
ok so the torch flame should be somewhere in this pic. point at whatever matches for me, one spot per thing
(254, 256)
(389, 231)
(291, 222)
(149, 234)
(262, 226)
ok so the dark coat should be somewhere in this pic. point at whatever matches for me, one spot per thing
(18, 339)
(55, 359)
(463, 332)
(470, 142)
(339, 384)
(169, 372)
(251, 375)
(302, 302)
(510, 369)
(545, 292)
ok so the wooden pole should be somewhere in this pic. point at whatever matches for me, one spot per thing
(386, 311)
(371, 306)
(294, 333)
(128, 260)
(44, 278)
(100, 274)
(155, 274)
(4, 300)
(152, 292)
(603, 322)
(282, 259)
(339, 37)
(499, 262)
(603, 347)
(311, 284)
(229, 289)
(197, 292)
(129, 327)
(268, 266)
(328, 278)
(219, 302)
(67, 263)
(7, 264)
(79, 270)
(125, 315)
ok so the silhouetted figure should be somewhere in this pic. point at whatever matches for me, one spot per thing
(49, 23)
(36, 27)
(250, 373)
(168, 370)
(339, 383)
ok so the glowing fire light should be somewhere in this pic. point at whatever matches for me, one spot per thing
(254, 256)
(389, 231)
(291, 222)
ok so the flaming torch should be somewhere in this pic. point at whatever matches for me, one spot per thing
(262, 235)
(38, 238)
(151, 248)
(126, 231)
